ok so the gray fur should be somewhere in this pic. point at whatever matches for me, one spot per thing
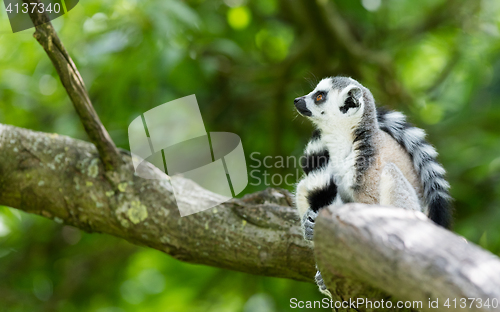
(340, 83)
(363, 134)
(431, 173)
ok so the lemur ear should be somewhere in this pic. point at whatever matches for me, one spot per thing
(355, 93)
(352, 100)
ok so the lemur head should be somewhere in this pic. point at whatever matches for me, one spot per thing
(337, 102)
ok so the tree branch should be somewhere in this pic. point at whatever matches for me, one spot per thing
(404, 254)
(340, 30)
(63, 179)
(73, 83)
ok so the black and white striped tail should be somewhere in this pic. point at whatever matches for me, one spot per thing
(423, 155)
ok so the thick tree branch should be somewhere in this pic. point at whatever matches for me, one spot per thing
(404, 254)
(63, 179)
(73, 83)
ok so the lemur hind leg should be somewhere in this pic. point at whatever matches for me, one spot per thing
(321, 284)
(396, 191)
(308, 222)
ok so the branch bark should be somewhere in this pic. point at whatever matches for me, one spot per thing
(75, 87)
(64, 180)
(402, 253)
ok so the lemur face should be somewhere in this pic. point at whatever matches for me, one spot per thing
(334, 101)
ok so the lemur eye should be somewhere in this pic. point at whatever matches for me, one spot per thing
(319, 97)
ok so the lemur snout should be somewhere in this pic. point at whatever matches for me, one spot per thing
(301, 106)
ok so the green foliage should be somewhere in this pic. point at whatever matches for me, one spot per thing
(245, 61)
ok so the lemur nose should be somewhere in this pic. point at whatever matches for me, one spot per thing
(301, 106)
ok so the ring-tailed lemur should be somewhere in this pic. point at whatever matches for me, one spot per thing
(359, 153)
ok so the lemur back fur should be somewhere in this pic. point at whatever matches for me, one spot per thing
(359, 153)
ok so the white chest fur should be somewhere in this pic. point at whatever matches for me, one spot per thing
(342, 159)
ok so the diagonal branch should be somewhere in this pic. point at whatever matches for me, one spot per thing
(73, 83)
(341, 31)
(433, 89)
(323, 20)
(382, 61)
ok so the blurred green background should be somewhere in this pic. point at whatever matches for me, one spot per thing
(246, 60)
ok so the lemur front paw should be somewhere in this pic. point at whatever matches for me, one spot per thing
(308, 222)
(321, 284)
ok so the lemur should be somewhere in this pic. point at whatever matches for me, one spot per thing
(359, 153)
